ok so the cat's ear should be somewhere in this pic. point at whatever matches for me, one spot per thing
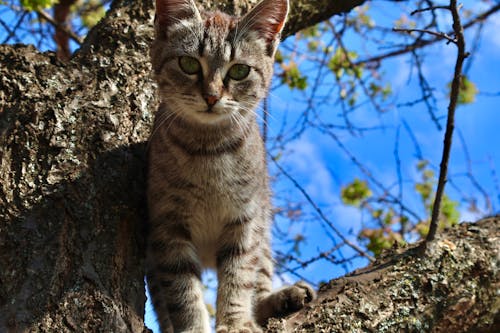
(169, 12)
(267, 19)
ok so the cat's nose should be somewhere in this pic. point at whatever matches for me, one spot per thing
(211, 99)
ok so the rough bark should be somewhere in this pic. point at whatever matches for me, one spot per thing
(452, 287)
(71, 198)
(72, 147)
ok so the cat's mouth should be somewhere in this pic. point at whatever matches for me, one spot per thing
(214, 110)
(212, 115)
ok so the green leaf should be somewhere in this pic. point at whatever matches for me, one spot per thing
(341, 63)
(312, 45)
(310, 32)
(422, 164)
(90, 18)
(425, 190)
(354, 193)
(33, 5)
(467, 92)
(377, 240)
(449, 210)
(279, 57)
(293, 78)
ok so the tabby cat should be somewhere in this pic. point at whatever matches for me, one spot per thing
(208, 191)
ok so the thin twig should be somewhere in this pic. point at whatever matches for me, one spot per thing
(423, 43)
(428, 9)
(321, 214)
(430, 32)
(450, 123)
(470, 174)
(70, 33)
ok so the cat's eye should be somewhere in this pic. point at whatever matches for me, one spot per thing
(189, 65)
(238, 72)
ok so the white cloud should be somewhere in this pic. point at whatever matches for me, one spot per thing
(308, 166)
(491, 35)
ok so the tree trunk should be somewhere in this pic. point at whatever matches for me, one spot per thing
(72, 152)
(451, 287)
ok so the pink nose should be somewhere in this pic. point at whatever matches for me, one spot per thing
(211, 99)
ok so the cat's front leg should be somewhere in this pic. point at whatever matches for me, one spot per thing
(237, 259)
(174, 279)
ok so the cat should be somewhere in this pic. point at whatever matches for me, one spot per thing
(208, 192)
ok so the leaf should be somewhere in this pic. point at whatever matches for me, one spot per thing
(310, 32)
(91, 17)
(341, 63)
(355, 192)
(293, 78)
(467, 92)
(279, 57)
(377, 241)
(449, 210)
(34, 5)
(422, 164)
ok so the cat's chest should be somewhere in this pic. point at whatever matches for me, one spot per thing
(224, 187)
(227, 190)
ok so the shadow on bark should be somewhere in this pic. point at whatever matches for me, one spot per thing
(79, 252)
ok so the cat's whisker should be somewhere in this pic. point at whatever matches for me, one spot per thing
(162, 119)
(234, 119)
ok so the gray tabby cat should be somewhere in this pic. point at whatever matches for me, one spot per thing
(208, 191)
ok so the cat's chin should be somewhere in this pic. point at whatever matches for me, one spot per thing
(211, 118)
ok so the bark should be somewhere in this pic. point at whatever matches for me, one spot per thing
(72, 192)
(72, 155)
(452, 287)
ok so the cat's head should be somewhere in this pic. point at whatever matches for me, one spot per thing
(211, 66)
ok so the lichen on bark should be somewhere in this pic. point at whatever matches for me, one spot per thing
(452, 287)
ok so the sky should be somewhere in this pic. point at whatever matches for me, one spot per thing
(321, 167)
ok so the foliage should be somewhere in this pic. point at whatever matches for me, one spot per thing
(355, 193)
(38, 4)
(468, 91)
(292, 77)
(391, 226)
(90, 11)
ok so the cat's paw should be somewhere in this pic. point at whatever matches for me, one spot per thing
(294, 298)
(284, 301)
(246, 327)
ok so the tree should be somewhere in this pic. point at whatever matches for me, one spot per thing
(72, 167)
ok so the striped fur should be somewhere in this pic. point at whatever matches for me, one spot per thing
(208, 191)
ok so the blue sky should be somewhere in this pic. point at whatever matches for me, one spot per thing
(318, 164)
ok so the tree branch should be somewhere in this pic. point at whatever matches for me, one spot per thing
(450, 123)
(449, 289)
(423, 43)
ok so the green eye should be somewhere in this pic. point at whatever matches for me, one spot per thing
(238, 72)
(189, 65)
